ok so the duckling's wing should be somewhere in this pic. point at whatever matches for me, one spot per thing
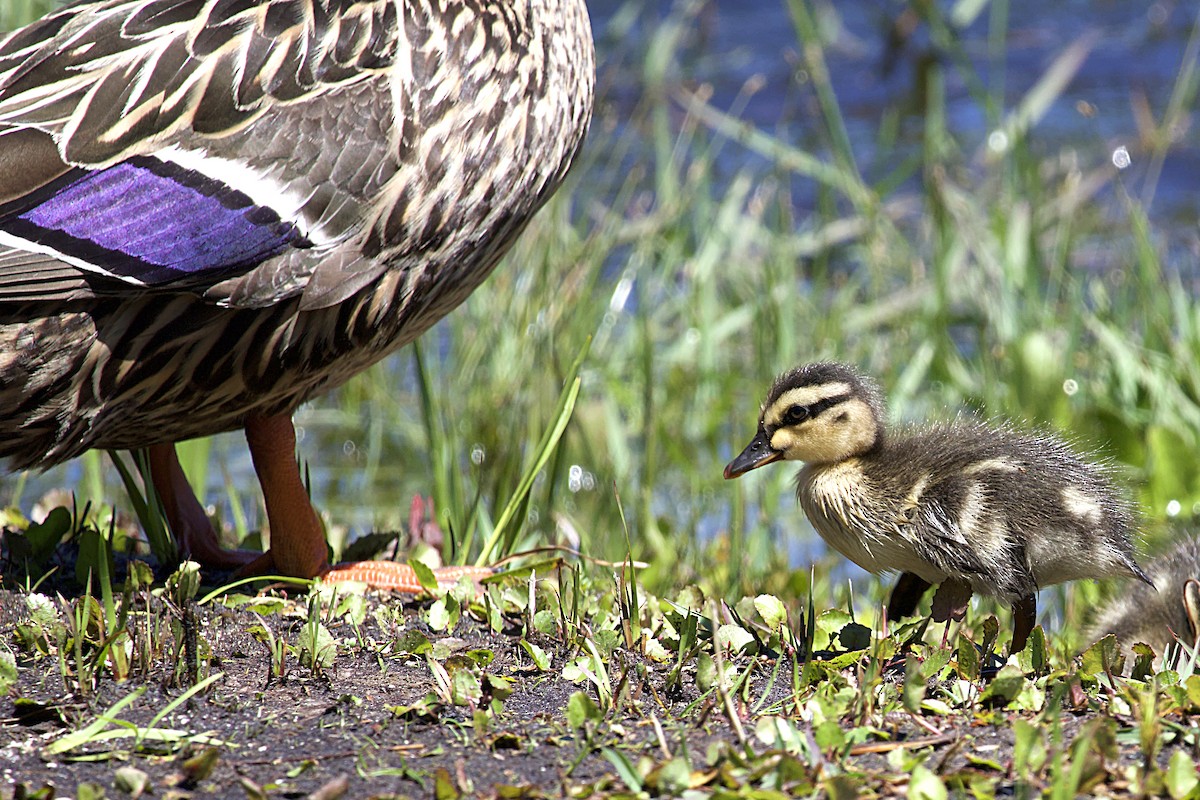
(940, 541)
(982, 556)
(129, 156)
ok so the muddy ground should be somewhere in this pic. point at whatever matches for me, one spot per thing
(372, 723)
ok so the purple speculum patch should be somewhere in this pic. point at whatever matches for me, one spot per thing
(152, 221)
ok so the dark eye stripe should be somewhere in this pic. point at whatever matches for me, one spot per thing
(819, 407)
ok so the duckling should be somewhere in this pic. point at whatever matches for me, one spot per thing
(1160, 617)
(969, 506)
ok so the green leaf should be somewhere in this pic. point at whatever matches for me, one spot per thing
(984, 763)
(465, 688)
(87, 733)
(914, 685)
(1192, 685)
(967, 659)
(1037, 651)
(624, 767)
(8, 671)
(481, 656)
(411, 641)
(1005, 686)
(1143, 662)
(830, 623)
(440, 617)
(444, 787)
(499, 687)
(184, 583)
(581, 709)
(935, 662)
(44, 536)
(1181, 778)
(425, 576)
(1103, 656)
(94, 557)
(772, 611)
(1029, 748)
(541, 659)
(89, 791)
(201, 765)
(733, 638)
(991, 632)
(829, 736)
(673, 777)
(924, 785)
(131, 780)
(545, 622)
(316, 647)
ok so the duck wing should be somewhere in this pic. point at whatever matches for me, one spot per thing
(177, 145)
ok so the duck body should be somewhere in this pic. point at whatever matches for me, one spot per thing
(212, 211)
(264, 238)
(940, 502)
(973, 507)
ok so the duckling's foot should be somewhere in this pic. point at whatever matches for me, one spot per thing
(907, 594)
(1024, 618)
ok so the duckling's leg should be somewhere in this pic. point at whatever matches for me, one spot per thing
(1024, 618)
(909, 590)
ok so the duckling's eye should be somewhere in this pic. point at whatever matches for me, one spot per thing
(795, 415)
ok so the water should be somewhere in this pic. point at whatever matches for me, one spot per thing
(1137, 52)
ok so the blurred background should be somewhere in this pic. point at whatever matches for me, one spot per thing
(990, 206)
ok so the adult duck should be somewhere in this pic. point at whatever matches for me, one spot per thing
(214, 210)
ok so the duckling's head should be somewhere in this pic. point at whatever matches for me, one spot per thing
(819, 413)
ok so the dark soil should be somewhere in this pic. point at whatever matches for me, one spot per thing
(342, 730)
(372, 724)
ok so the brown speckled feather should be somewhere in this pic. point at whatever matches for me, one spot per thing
(401, 146)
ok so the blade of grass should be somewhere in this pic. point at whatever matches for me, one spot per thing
(508, 524)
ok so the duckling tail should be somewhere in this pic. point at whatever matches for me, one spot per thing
(1137, 572)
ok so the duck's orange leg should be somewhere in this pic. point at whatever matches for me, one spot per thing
(189, 523)
(297, 538)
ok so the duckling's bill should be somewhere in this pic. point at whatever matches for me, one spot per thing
(758, 453)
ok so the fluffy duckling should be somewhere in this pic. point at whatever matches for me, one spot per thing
(969, 506)
(1158, 618)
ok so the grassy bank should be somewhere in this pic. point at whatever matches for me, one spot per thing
(983, 270)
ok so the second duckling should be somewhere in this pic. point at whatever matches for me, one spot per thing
(1158, 618)
(969, 506)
